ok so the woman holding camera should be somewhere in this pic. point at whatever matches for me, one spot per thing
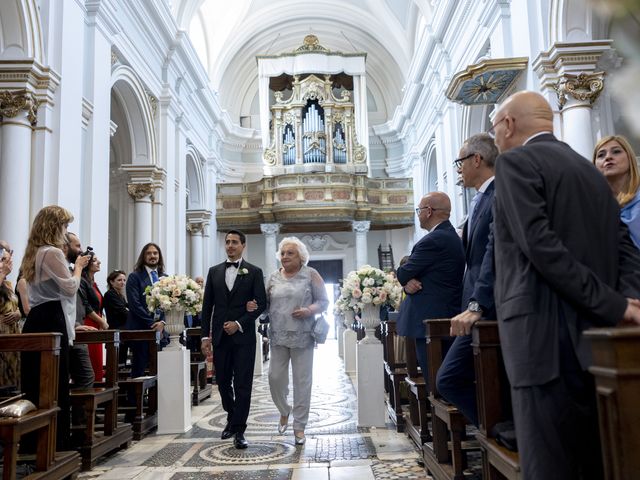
(52, 296)
(92, 299)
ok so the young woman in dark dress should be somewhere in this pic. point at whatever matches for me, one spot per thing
(52, 296)
(116, 307)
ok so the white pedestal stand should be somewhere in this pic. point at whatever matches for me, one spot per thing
(340, 335)
(257, 364)
(174, 391)
(349, 340)
(370, 388)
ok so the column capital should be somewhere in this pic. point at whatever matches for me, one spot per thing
(361, 226)
(270, 228)
(152, 174)
(569, 59)
(138, 191)
(14, 102)
(195, 227)
(584, 87)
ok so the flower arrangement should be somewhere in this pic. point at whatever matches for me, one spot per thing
(369, 286)
(174, 292)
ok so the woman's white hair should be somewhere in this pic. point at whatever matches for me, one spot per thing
(302, 248)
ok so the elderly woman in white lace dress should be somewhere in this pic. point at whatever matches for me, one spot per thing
(296, 294)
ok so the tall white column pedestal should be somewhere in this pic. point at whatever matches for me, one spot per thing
(174, 391)
(257, 364)
(349, 339)
(370, 389)
(340, 335)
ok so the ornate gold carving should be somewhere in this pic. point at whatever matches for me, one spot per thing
(583, 87)
(138, 191)
(311, 44)
(12, 103)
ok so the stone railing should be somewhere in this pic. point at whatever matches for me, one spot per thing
(316, 201)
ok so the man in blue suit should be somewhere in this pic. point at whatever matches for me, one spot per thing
(148, 270)
(432, 277)
(456, 376)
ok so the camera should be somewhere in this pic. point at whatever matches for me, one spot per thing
(88, 251)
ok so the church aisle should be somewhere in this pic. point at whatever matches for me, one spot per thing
(335, 449)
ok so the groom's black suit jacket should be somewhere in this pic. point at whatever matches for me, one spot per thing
(221, 305)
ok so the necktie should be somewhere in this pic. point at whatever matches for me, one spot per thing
(189, 321)
(472, 208)
(154, 276)
(233, 264)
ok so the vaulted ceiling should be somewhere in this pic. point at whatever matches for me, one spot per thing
(228, 36)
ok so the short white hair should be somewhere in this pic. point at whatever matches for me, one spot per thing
(302, 248)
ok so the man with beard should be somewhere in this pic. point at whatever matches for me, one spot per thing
(147, 271)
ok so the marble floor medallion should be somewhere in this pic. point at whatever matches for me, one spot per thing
(259, 452)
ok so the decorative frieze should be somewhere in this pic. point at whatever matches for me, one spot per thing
(14, 102)
(584, 87)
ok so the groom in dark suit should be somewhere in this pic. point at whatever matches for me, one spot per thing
(231, 330)
(564, 263)
(432, 277)
(456, 376)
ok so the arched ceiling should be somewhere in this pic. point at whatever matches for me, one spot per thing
(229, 35)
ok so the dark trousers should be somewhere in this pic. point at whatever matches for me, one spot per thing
(48, 317)
(139, 358)
(557, 423)
(81, 373)
(234, 376)
(456, 378)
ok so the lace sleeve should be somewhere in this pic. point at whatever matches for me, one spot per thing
(54, 266)
(319, 292)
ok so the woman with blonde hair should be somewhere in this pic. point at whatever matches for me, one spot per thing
(52, 292)
(614, 157)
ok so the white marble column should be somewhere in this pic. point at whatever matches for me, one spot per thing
(270, 230)
(18, 114)
(576, 94)
(197, 247)
(361, 228)
(142, 194)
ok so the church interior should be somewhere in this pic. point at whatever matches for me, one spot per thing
(326, 121)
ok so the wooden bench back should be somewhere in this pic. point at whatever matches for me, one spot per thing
(48, 344)
(437, 331)
(150, 336)
(111, 341)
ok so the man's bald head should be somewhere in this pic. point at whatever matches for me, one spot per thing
(435, 207)
(521, 115)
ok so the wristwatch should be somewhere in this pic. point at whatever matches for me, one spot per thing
(474, 307)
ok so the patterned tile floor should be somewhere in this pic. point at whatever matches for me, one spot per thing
(336, 447)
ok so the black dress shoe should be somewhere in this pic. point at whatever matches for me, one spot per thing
(226, 433)
(240, 442)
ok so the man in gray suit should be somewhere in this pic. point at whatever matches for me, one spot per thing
(564, 263)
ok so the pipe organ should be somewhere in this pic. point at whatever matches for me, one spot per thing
(314, 111)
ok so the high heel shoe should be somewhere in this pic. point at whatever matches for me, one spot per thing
(300, 438)
(283, 427)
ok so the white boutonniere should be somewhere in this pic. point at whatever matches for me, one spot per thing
(242, 271)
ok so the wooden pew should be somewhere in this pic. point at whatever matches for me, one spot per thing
(113, 436)
(42, 421)
(144, 417)
(497, 461)
(445, 458)
(416, 423)
(201, 387)
(616, 368)
(394, 372)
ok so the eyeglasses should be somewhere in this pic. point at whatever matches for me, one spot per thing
(428, 206)
(492, 130)
(457, 163)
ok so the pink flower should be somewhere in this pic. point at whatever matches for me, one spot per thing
(356, 293)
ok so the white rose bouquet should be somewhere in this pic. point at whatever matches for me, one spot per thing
(174, 292)
(369, 285)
